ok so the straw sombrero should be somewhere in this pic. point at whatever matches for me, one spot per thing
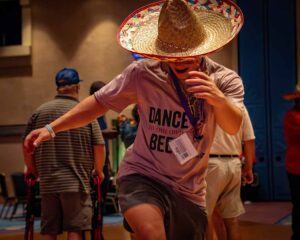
(294, 95)
(173, 30)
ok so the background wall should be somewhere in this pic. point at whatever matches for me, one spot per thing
(79, 34)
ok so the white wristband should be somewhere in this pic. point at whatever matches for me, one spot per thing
(50, 130)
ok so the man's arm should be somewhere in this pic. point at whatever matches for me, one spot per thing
(28, 160)
(99, 158)
(82, 114)
(228, 116)
(249, 153)
(27, 154)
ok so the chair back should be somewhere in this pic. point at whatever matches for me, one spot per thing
(19, 184)
(3, 186)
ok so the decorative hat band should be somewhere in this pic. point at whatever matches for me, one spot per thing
(177, 29)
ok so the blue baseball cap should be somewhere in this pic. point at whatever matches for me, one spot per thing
(136, 56)
(67, 76)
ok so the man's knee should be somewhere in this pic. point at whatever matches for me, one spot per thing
(149, 231)
(230, 221)
(146, 221)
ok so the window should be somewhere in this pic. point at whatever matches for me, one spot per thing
(10, 23)
(15, 32)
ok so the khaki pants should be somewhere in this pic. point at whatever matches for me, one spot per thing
(224, 187)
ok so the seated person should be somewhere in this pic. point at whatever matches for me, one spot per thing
(128, 127)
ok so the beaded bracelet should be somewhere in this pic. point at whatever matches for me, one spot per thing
(50, 130)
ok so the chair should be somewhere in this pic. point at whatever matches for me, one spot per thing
(20, 189)
(111, 195)
(8, 201)
(112, 199)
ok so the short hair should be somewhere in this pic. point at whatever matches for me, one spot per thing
(96, 86)
(68, 89)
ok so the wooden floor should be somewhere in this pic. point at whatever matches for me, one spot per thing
(263, 231)
(259, 223)
(266, 212)
(111, 232)
(250, 231)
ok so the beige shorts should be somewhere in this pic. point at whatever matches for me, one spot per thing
(65, 212)
(224, 187)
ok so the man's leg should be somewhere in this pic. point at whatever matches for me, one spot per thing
(210, 232)
(48, 237)
(154, 211)
(294, 181)
(216, 229)
(232, 228)
(51, 224)
(77, 213)
(217, 179)
(146, 220)
(219, 226)
(230, 204)
(75, 235)
(133, 236)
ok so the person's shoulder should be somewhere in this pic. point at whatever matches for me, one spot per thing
(45, 105)
(220, 70)
(292, 119)
(293, 113)
(144, 64)
(55, 104)
(146, 67)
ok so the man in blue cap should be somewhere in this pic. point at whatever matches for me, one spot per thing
(67, 77)
(64, 164)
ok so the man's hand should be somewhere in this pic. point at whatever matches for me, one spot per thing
(30, 164)
(31, 170)
(247, 175)
(121, 119)
(202, 86)
(35, 138)
(228, 116)
(99, 173)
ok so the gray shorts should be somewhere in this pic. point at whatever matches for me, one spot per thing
(65, 212)
(182, 218)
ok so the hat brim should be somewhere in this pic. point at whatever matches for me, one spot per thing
(291, 96)
(138, 32)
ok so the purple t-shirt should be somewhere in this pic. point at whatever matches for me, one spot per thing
(162, 118)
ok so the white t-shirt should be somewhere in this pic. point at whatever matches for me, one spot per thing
(162, 118)
(225, 143)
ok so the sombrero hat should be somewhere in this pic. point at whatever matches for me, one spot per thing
(294, 95)
(173, 30)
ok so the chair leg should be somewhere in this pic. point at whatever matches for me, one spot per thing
(14, 210)
(115, 206)
(9, 205)
(3, 207)
(24, 210)
(83, 235)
